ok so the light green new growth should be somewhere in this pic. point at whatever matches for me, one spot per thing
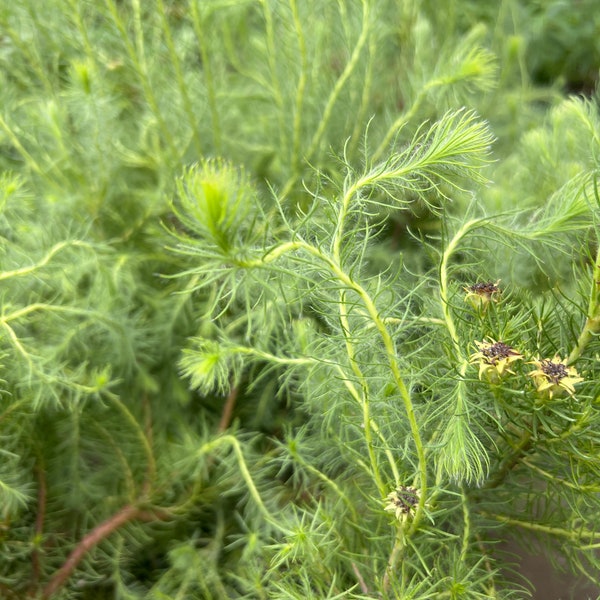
(298, 299)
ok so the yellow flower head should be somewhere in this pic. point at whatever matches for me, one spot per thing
(479, 295)
(494, 359)
(553, 377)
(403, 502)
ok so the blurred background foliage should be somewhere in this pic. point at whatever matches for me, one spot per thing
(102, 106)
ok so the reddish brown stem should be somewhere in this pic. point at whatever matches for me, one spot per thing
(228, 410)
(149, 435)
(39, 524)
(361, 581)
(102, 531)
(6, 592)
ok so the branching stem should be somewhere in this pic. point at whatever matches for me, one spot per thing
(228, 409)
(466, 525)
(576, 535)
(444, 291)
(511, 461)
(334, 95)
(44, 261)
(135, 425)
(125, 515)
(592, 323)
(372, 423)
(207, 71)
(334, 268)
(234, 443)
(395, 556)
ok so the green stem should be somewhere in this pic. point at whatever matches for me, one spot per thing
(302, 79)
(459, 417)
(399, 123)
(364, 399)
(185, 97)
(343, 78)
(444, 292)
(349, 504)
(272, 357)
(592, 323)
(365, 102)
(272, 54)
(342, 217)
(373, 424)
(395, 556)
(593, 489)
(33, 165)
(510, 462)
(137, 56)
(467, 525)
(344, 322)
(582, 421)
(316, 140)
(133, 422)
(402, 120)
(44, 261)
(209, 81)
(574, 535)
(233, 442)
(387, 340)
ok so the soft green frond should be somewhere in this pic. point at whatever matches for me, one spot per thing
(210, 366)
(13, 497)
(215, 201)
(279, 318)
(443, 158)
(461, 455)
(465, 68)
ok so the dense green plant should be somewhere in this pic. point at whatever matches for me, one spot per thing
(299, 300)
(564, 44)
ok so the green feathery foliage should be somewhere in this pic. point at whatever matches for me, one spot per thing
(299, 299)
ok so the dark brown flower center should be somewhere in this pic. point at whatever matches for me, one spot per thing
(484, 289)
(553, 370)
(497, 352)
(405, 498)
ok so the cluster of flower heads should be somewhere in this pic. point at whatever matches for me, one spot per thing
(479, 295)
(494, 359)
(403, 502)
(552, 376)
